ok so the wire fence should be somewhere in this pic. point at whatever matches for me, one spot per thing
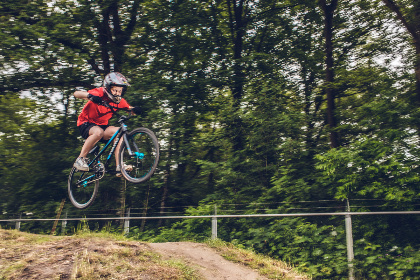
(216, 216)
(126, 216)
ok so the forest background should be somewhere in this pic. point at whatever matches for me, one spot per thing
(260, 107)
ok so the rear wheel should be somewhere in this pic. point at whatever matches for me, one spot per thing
(83, 185)
(140, 165)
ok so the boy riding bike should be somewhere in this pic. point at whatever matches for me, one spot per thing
(93, 120)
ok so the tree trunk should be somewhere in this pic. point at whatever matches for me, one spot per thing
(413, 27)
(112, 38)
(237, 26)
(122, 201)
(165, 189)
(145, 208)
(417, 71)
(167, 180)
(328, 10)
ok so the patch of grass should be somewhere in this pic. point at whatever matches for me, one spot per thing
(15, 236)
(272, 269)
(15, 251)
(85, 255)
(188, 272)
(121, 257)
(12, 268)
(85, 232)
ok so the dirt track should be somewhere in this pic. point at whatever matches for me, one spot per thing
(208, 262)
(25, 256)
(57, 259)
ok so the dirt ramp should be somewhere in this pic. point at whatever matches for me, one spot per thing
(206, 261)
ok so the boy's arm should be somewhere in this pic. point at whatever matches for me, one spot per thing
(87, 96)
(81, 94)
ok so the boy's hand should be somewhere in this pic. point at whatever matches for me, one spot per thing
(94, 98)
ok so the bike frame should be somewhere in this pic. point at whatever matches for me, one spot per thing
(117, 136)
(121, 132)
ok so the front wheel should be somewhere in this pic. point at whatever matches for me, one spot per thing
(139, 161)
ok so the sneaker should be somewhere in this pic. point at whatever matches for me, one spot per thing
(126, 167)
(81, 163)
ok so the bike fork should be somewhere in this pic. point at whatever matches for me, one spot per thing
(137, 155)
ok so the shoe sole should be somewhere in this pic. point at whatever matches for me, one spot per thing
(81, 169)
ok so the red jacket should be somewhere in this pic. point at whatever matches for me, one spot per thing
(98, 114)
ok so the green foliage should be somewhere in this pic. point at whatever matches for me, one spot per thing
(186, 229)
(317, 250)
(376, 262)
(237, 97)
(369, 168)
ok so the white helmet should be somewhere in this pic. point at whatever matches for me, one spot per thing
(115, 79)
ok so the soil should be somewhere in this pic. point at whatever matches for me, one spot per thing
(30, 257)
(206, 261)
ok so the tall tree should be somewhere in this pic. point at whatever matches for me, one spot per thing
(329, 10)
(100, 31)
(408, 14)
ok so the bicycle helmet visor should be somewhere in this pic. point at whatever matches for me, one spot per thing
(115, 79)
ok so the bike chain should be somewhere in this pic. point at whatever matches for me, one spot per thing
(99, 171)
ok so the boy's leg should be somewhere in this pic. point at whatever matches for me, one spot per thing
(95, 134)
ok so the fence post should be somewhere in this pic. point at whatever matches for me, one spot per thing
(17, 227)
(64, 224)
(349, 241)
(58, 216)
(127, 222)
(123, 200)
(214, 224)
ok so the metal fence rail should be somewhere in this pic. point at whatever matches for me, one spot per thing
(223, 216)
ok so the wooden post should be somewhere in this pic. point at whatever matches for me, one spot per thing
(58, 216)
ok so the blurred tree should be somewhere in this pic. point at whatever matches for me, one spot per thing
(329, 9)
(408, 14)
(254, 101)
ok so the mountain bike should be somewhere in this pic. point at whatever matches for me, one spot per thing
(139, 157)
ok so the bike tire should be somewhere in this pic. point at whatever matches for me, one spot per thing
(143, 163)
(82, 195)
